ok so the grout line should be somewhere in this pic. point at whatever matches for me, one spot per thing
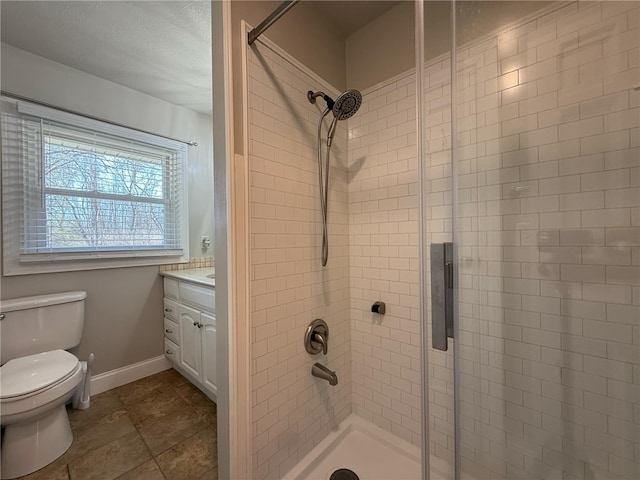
(144, 441)
(159, 468)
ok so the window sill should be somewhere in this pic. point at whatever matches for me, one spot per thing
(14, 268)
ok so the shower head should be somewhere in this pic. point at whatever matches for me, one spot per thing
(345, 106)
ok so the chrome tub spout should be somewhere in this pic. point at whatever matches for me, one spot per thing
(324, 373)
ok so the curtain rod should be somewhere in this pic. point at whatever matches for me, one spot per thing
(74, 112)
(270, 20)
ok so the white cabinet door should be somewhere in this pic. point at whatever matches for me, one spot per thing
(191, 345)
(209, 377)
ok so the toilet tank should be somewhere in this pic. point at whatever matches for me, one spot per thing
(40, 323)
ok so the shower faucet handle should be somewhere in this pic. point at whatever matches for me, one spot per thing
(316, 337)
(319, 338)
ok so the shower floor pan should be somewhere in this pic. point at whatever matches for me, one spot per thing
(367, 450)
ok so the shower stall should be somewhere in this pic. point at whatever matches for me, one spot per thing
(485, 190)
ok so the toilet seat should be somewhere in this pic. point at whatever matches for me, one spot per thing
(36, 426)
(26, 376)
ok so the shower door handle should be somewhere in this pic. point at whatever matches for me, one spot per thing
(441, 294)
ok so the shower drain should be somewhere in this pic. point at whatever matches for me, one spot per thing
(344, 474)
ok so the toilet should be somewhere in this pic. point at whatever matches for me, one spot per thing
(37, 378)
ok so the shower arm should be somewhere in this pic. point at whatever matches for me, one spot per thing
(313, 95)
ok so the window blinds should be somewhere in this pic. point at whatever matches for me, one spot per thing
(76, 188)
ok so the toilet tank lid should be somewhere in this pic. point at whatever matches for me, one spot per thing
(24, 303)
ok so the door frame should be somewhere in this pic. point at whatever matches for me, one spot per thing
(231, 251)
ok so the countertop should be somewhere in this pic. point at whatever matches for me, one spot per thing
(194, 275)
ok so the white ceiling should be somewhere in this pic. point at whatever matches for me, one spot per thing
(159, 48)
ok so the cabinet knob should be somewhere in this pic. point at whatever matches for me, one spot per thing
(168, 352)
(168, 310)
(168, 330)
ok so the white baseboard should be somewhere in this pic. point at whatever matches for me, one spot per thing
(121, 376)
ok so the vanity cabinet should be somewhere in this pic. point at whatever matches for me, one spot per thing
(190, 332)
(190, 341)
(209, 376)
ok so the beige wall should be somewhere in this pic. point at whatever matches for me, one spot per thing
(123, 322)
(302, 32)
(384, 48)
(200, 189)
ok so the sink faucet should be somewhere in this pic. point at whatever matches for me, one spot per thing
(320, 371)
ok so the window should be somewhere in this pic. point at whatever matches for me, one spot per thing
(80, 194)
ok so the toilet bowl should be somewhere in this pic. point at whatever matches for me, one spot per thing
(33, 393)
(37, 377)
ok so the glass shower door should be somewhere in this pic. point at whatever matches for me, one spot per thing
(434, 83)
(545, 185)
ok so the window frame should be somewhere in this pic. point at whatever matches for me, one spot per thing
(16, 262)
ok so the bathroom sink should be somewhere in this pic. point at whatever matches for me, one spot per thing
(205, 276)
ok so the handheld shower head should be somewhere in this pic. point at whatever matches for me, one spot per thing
(332, 131)
(345, 106)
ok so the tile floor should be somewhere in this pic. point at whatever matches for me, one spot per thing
(158, 428)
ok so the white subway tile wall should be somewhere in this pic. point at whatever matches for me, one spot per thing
(383, 251)
(293, 411)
